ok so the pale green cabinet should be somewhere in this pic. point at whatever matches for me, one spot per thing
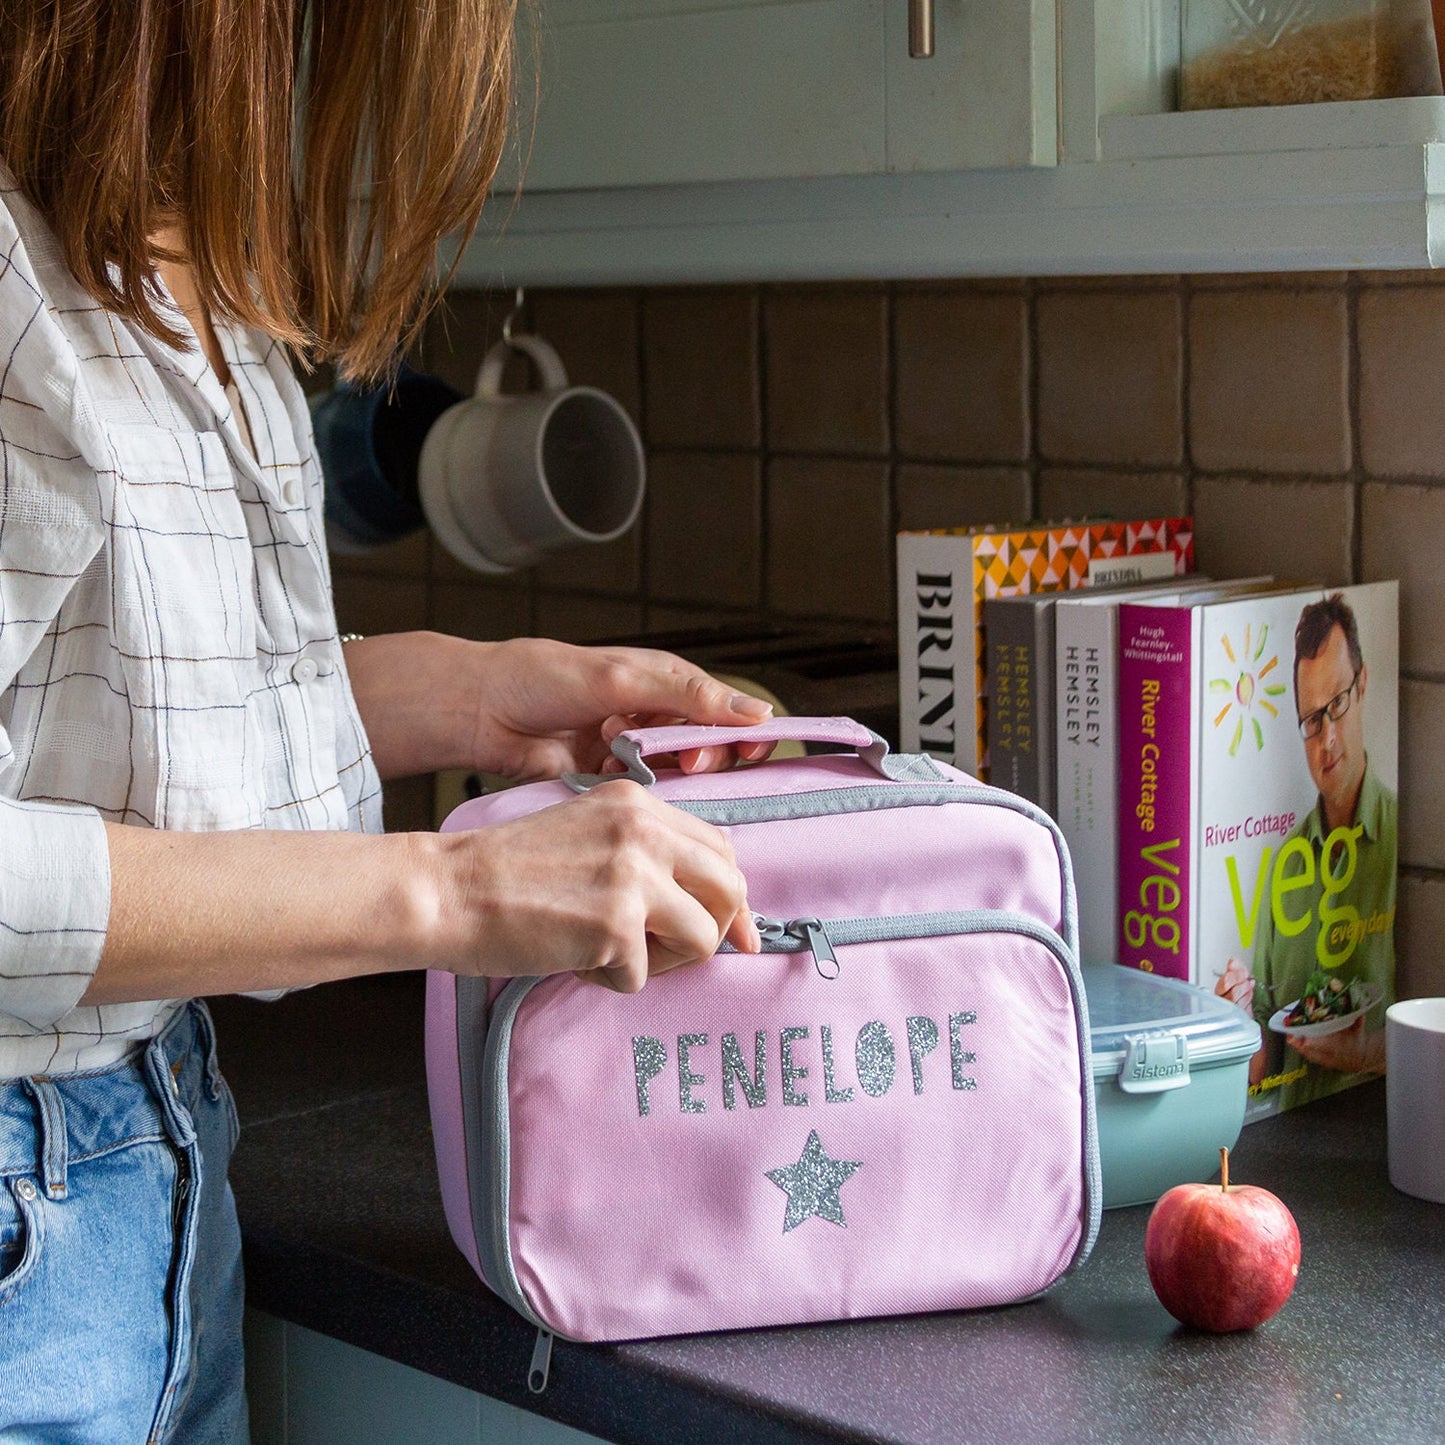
(779, 140)
(666, 92)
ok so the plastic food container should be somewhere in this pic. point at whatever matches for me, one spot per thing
(1171, 1076)
(1282, 52)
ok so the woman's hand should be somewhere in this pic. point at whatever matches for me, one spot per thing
(531, 708)
(545, 708)
(614, 885)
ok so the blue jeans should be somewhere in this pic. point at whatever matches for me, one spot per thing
(120, 1258)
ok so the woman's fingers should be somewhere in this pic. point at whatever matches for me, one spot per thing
(613, 885)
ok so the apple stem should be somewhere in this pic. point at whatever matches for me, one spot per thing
(1224, 1169)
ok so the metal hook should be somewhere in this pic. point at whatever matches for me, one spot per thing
(512, 315)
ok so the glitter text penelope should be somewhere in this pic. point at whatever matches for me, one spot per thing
(721, 1070)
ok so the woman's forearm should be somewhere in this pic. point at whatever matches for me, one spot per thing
(614, 882)
(214, 913)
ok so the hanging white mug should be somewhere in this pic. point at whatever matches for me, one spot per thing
(507, 479)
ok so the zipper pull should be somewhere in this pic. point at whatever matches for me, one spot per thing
(824, 959)
(541, 1365)
(770, 930)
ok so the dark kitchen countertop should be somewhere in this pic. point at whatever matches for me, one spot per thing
(344, 1233)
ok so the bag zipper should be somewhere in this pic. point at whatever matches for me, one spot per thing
(780, 937)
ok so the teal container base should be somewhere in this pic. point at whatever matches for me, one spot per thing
(1171, 1077)
(1148, 1143)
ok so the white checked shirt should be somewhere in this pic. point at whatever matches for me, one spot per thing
(168, 647)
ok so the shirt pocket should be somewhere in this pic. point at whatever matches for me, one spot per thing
(184, 590)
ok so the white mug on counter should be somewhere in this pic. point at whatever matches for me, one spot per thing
(1415, 1096)
(506, 479)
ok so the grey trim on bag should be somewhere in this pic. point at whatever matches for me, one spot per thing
(488, 1127)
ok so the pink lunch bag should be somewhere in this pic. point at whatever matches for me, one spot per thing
(888, 1111)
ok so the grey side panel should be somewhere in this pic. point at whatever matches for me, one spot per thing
(483, 1046)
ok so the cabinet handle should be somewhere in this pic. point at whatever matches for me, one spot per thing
(920, 29)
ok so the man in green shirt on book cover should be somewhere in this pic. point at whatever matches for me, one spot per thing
(1331, 945)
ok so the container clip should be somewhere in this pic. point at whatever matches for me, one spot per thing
(1154, 1062)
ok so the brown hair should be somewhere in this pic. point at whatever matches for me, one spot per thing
(313, 153)
(1312, 631)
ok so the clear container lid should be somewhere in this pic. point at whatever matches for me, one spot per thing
(1124, 1002)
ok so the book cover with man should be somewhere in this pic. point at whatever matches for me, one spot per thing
(1297, 839)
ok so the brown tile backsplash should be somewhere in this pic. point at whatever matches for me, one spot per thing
(826, 358)
(1401, 532)
(612, 567)
(1110, 377)
(830, 541)
(704, 529)
(1089, 491)
(573, 617)
(480, 610)
(1269, 380)
(1247, 526)
(597, 336)
(790, 429)
(701, 368)
(1419, 926)
(1402, 381)
(1422, 779)
(366, 603)
(933, 496)
(961, 369)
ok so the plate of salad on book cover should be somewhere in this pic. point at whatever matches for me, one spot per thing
(1327, 1005)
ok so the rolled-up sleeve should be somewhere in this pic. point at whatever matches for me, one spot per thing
(54, 905)
(54, 859)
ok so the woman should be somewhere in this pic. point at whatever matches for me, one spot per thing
(190, 760)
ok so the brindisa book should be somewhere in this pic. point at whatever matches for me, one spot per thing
(944, 579)
(1284, 894)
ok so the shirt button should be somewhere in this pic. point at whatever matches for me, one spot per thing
(291, 491)
(305, 670)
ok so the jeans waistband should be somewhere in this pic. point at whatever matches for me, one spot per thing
(50, 1122)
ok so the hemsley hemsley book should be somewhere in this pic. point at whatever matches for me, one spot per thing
(1273, 847)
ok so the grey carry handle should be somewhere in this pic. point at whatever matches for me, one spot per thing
(633, 747)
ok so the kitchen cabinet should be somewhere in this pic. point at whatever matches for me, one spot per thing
(748, 140)
(666, 92)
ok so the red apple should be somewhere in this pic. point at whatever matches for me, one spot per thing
(1221, 1257)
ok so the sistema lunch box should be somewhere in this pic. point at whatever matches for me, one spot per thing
(1171, 1076)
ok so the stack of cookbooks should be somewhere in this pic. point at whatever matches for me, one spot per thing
(945, 578)
(1222, 759)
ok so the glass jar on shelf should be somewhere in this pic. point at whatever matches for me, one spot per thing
(1298, 52)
